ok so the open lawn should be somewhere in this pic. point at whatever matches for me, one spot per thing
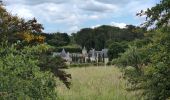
(95, 83)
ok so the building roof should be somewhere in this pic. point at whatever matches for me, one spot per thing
(63, 53)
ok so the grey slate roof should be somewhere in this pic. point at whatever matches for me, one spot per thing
(63, 53)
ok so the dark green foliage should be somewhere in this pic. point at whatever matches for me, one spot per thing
(87, 64)
(47, 62)
(148, 63)
(80, 65)
(25, 73)
(56, 66)
(57, 39)
(132, 57)
(150, 67)
(85, 37)
(21, 78)
(115, 49)
(157, 72)
(100, 37)
(68, 49)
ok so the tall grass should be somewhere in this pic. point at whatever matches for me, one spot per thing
(95, 83)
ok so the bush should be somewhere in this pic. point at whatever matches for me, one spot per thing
(115, 49)
(80, 65)
(55, 65)
(21, 78)
(150, 69)
(132, 57)
(86, 64)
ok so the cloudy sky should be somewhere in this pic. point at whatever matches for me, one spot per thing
(71, 15)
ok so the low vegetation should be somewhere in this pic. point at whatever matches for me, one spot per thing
(96, 83)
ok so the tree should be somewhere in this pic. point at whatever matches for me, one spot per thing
(57, 39)
(12, 27)
(150, 73)
(21, 78)
(158, 15)
(85, 37)
(100, 37)
(56, 66)
(21, 73)
(115, 49)
(8, 24)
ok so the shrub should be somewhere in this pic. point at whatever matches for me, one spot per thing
(21, 78)
(115, 49)
(132, 57)
(150, 67)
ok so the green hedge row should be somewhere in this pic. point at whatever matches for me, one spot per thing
(86, 64)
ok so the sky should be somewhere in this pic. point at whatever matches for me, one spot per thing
(72, 15)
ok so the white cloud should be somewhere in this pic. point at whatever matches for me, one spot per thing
(94, 6)
(73, 29)
(21, 11)
(74, 13)
(95, 26)
(94, 16)
(120, 25)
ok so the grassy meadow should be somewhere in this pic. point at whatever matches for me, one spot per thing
(95, 83)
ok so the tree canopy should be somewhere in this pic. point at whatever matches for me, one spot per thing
(158, 15)
(102, 36)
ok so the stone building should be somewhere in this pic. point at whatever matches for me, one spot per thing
(85, 56)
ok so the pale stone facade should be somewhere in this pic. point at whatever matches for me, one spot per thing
(84, 57)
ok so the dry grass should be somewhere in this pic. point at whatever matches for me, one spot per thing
(95, 83)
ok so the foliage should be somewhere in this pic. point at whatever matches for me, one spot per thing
(57, 39)
(158, 15)
(150, 73)
(69, 49)
(25, 71)
(56, 66)
(99, 37)
(11, 26)
(86, 64)
(31, 38)
(157, 72)
(21, 78)
(80, 65)
(8, 24)
(46, 62)
(131, 57)
(85, 37)
(115, 49)
(151, 67)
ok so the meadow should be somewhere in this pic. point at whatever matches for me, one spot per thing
(95, 83)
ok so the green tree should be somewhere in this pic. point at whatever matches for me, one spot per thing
(57, 39)
(158, 14)
(12, 26)
(21, 78)
(151, 76)
(102, 36)
(115, 49)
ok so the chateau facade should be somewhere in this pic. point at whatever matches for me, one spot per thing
(85, 56)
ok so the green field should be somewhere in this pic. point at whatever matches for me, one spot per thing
(95, 83)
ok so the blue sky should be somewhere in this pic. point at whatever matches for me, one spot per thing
(72, 15)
